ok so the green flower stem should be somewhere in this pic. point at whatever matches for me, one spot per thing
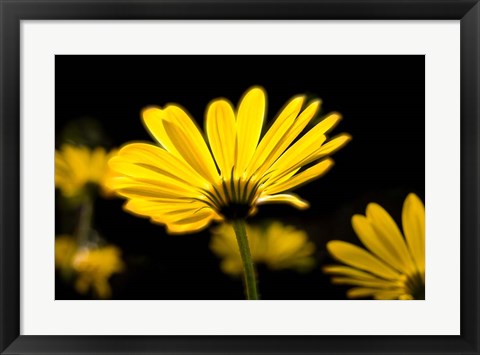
(248, 267)
(85, 220)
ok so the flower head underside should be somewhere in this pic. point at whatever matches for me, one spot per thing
(393, 265)
(186, 181)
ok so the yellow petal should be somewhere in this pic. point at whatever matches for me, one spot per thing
(221, 131)
(315, 153)
(173, 128)
(148, 174)
(152, 118)
(193, 149)
(378, 244)
(299, 124)
(357, 257)
(142, 166)
(160, 158)
(298, 155)
(145, 189)
(361, 292)
(176, 219)
(186, 215)
(284, 177)
(329, 122)
(267, 149)
(333, 145)
(163, 206)
(349, 271)
(190, 225)
(413, 221)
(376, 283)
(250, 117)
(308, 175)
(389, 234)
(291, 199)
(388, 295)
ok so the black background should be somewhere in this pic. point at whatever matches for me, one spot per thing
(380, 97)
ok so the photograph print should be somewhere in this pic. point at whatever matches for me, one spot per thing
(239, 177)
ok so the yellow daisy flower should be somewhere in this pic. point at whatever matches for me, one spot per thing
(76, 166)
(393, 266)
(276, 245)
(185, 182)
(92, 267)
(95, 267)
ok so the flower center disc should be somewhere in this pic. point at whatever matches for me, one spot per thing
(235, 211)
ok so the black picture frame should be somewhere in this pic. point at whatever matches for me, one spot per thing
(12, 12)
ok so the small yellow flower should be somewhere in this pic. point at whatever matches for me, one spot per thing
(77, 166)
(92, 267)
(393, 266)
(185, 182)
(95, 267)
(275, 245)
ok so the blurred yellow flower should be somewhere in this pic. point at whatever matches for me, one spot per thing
(186, 182)
(275, 245)
(92, 266)
(95, 267)
(76, 166)
(393, 266)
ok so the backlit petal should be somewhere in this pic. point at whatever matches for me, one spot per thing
(348, 271)
(189, 225)
(380, 245)
(148, 154)
(173, 128)
(333, 145)
(221, 131)
(361, 292)
(357, 257)
(194, 150)
(329, 122)
(388, 295)
(389, 235)
(413, 221)
(250, 117)
(298, 154)
(376, 283)
(379, 294)
(148, 174)
(291, 199)
(300, 123)
(163, 205)
(308, 175)
(268, 150)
